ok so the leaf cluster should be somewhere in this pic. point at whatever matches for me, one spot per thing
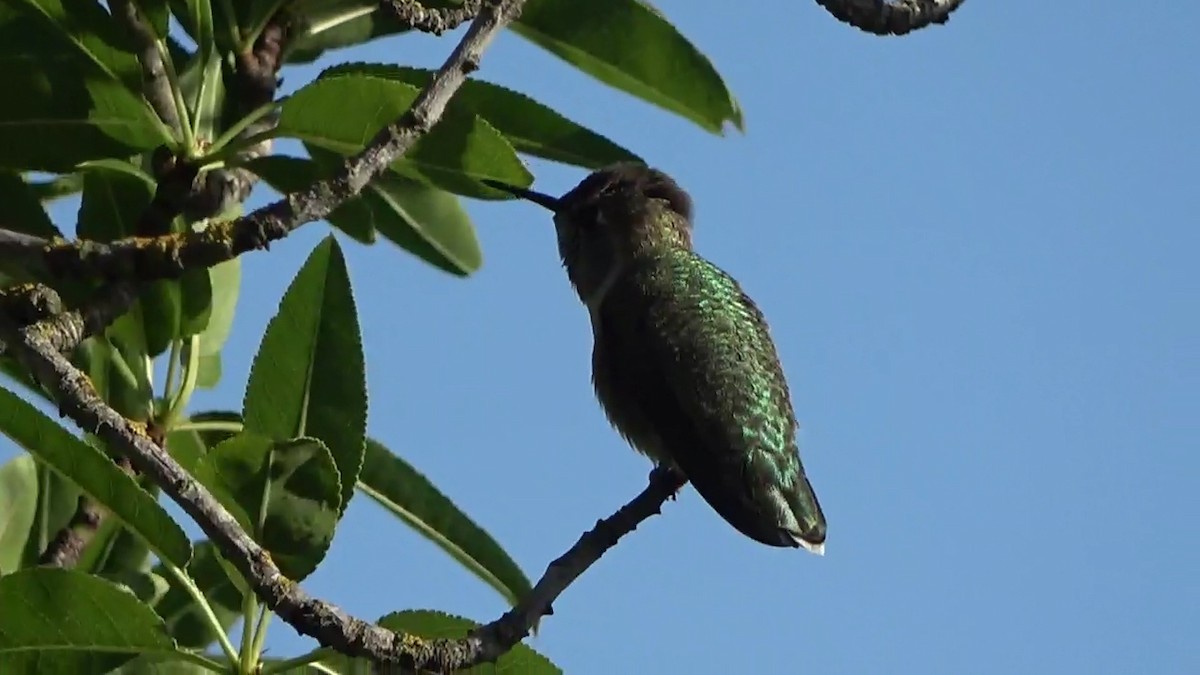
(85, 116)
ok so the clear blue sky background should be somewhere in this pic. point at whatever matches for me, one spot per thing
(977, 248)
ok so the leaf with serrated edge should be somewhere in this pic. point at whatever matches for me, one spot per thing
(400, 489)
(95, 474)
(308, 377)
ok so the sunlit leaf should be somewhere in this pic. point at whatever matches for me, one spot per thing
(18, 507)
(96, 474)
(95, 624)
(308, 378)
(459, 151)
(531, 127)
(629, 45)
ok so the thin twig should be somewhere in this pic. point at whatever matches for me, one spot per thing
(891, 18)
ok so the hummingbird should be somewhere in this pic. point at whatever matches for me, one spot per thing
(683, 363)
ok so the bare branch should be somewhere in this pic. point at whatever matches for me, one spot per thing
(429, 20)
(887, 18)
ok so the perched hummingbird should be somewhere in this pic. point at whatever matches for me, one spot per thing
(682, 362)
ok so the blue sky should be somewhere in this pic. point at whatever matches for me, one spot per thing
(976, 246)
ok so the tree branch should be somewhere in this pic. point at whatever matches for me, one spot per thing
(39, 351)
(168, 256)
(428, 20)
(884, 18)
(396, 652)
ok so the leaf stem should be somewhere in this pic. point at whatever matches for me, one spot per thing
(200, 660)
(239, 126)
(172, 370)
(191, 372)
(185, 121)
(260, 631)
(193, 590)
(310, 659)
(249, 658)
(210, 425)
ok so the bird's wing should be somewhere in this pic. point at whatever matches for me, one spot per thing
(709, 381)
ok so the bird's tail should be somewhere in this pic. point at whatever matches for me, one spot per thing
(807, 526)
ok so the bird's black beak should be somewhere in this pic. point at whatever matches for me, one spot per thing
(543, 200)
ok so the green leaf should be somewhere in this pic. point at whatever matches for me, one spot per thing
(148, 587)
(333, 24)
(224, 281)
(162, 311)
(629, 45)
(308, 377)
(531, 127)
(430, 624)
(165, 664)
(184, 617)
(23, 210)
(115, 194)
(196, 296)
(400, 489)
(62, 621)
(285, 493)
(209, 367)
(425, 221)
(18, 508)
(67, 98)
(95, 474)
(459, 151)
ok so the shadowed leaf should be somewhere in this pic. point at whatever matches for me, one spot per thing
(285, 493)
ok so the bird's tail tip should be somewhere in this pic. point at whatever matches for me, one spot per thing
(817, 548)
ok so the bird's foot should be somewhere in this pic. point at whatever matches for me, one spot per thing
(668, 475)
